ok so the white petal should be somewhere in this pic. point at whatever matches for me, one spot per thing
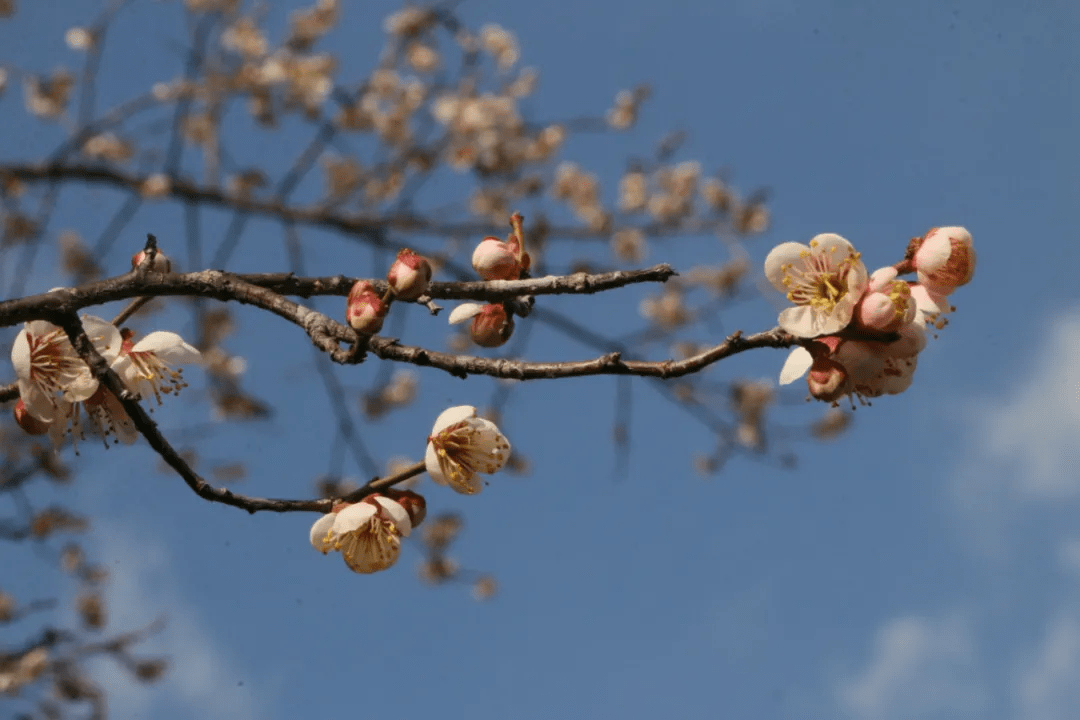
(399, 514)
(82, 387)
(37, 403)
(465, 311)
(431, 462)
(20, 356)
(805, 322)
(319, 533)
(168, 346)
(796, 365)
(825, 242)
(353, 517)
(104, 335)
(452, 416)
(779, 256)
(881, 278)
(493, 443)
(40, 327)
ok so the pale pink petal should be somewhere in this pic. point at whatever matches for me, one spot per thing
(796, 365)
(881, 278)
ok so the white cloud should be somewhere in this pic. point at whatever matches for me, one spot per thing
(1049, 689)
(201, 678)
(1032, 437)
(920, 669)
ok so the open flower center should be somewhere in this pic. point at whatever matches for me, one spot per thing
(465, 449)
(818, 281)
(371, 547)
(52, 364)
(162, 378)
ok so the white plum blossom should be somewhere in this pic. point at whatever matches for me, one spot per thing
(368, 533)
(462, 445)
(51, 375)
(148, 367)
(825, 280)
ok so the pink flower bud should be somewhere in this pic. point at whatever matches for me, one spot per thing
(410, 275)
(492, 327)
(30, 424)
(161, 263)
(365, 310)
(945, 259)
(887, 304)
(827, 379)
(495, 260)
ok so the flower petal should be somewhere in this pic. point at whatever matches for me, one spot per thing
(796, 365)
(104, 335)
(320, 533)
(352, 517)
(781, 255)
(465, 311)
(431, 462)
(399, 514)
(168, 346)
(452, 416)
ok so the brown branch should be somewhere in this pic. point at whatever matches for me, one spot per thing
(491, 291)
(609, 364)
(149, 430)
(372, 228)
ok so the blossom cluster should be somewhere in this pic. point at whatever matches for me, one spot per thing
(368, 533)
(863, 332)
(56, 387)
(493, 323)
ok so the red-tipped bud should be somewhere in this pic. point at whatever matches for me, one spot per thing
(410, 275)
(160, 264)
(413, 503)
(827, 379)
(365, 309)
(492, 327)
(30, 424)
(491, 324)
(945, 259)
(495, 260)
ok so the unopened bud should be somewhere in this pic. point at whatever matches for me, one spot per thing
(160, 263)
(492, 327)
(410, 275)
(365, 310)
(945, 259)
(495, 260)
(827, 379)
(30, 424)
(413, 503)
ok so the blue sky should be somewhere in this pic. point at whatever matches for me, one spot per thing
(925, 565)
